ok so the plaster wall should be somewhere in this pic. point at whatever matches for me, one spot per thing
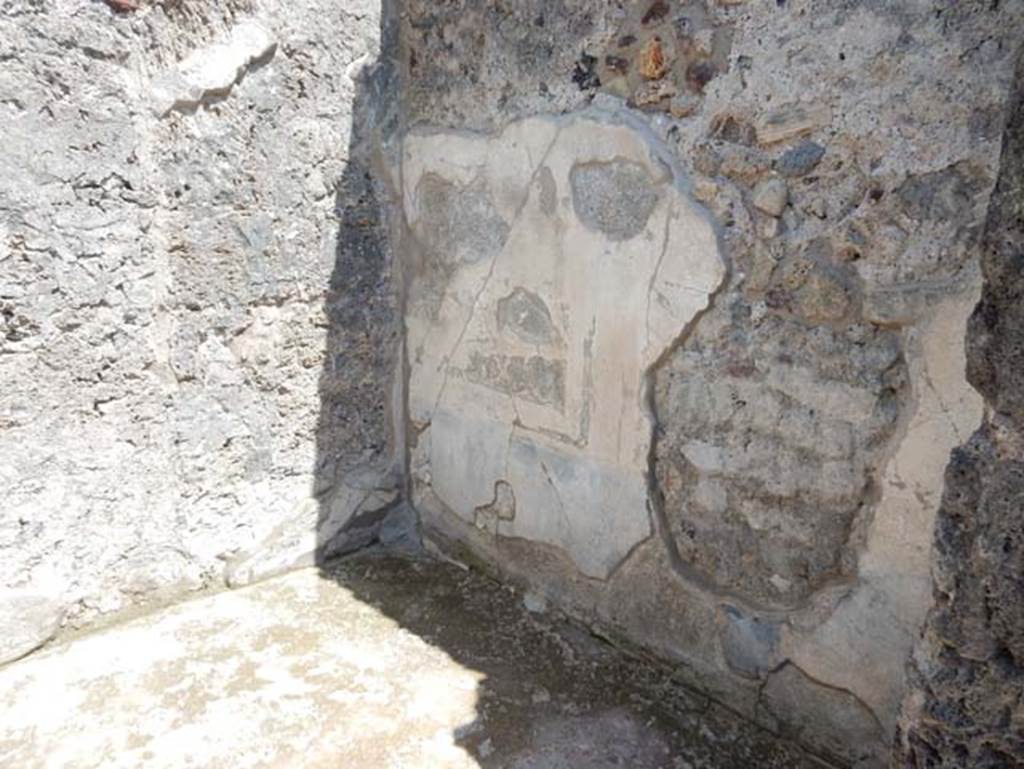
(673, 333)
(746, 486)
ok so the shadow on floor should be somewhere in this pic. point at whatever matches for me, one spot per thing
(552, 696)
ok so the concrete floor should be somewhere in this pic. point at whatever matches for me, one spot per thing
(381, 663)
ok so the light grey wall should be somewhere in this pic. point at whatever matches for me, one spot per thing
(197, 326)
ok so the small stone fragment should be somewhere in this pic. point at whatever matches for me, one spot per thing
(940, 194)
(762, 264)
(771, 196)
(781, 583)
(154, 570)
(743, 164)
(770, 228)
(801, 159)
(793, 120)
(657, 12)
(732, 129)
(617, 64)
(653, 93)
(584, 75)
(703, 42)
(651, 61)
(535, 603)
(705, 190)
(683, 105)
(823, 298)
(486, 748)
(700, 73)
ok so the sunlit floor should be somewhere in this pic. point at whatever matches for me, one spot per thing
(380, 663)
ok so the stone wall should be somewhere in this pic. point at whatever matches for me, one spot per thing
(686, 291)
(198, 331)
(965, 706)
(673, 334)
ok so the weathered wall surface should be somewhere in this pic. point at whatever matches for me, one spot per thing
(683, 286)
(843, 155)
(197, 328)
(531, 327)
(966, 702)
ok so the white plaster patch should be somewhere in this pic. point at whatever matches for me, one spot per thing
(550, 267)
(880, 618)
(212, 70)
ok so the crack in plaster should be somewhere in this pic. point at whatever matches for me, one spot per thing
(490, 272)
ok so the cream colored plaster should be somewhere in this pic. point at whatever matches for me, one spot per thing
(575, 450)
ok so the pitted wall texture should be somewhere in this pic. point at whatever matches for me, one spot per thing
(965, 706)
(683, 286)
(197, 326)
(800, 424)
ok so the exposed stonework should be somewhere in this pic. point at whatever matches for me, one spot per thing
(190, 360)
(528, 361)
(966, 702)
(656, 307)
(846, 152)
(780, 430)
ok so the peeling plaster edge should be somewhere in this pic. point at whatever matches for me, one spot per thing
(617, 113)
(759, 705)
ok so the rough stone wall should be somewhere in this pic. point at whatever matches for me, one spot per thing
(197, 327)
(844, 154)
(966, 702)
(684, 285)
